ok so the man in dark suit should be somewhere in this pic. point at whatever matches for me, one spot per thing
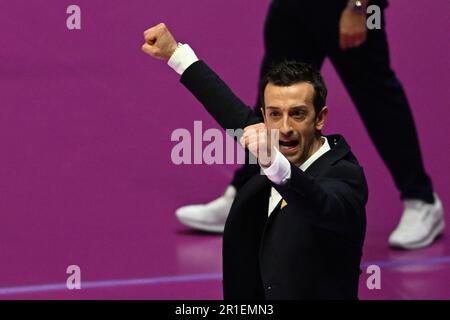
(296, 231)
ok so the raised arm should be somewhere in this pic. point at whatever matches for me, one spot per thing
(217, 98)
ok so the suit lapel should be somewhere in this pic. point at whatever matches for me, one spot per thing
(339, 149)
(262, 185)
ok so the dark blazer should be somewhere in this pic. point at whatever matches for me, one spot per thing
(310, 249)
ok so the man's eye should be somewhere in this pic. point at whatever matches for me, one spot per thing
(298, 114)
(274, 114)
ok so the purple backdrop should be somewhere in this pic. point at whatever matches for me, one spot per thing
(85, 121)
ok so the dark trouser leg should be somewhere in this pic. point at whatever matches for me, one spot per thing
(384, 109)
(286, 36)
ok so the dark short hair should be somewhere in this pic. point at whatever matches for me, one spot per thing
(289, 72)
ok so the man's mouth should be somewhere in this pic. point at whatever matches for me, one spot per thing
(288, 146)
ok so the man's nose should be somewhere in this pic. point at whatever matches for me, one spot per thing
(286, 128)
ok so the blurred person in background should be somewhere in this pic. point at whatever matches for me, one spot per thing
(310, 31)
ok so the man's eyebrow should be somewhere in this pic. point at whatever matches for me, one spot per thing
(301, 107)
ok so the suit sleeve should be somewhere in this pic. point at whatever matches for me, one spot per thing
(335, 201)
(217, 98)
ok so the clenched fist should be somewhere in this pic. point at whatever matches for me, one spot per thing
(159, 42)
(258, 139)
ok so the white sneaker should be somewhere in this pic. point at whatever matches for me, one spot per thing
(209, 217)
(420, 224)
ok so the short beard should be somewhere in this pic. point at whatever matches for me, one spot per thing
(306, 154)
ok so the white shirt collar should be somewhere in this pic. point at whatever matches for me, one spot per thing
(316, 155)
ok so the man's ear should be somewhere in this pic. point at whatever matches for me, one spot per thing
(321, 118)
(264, 115)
